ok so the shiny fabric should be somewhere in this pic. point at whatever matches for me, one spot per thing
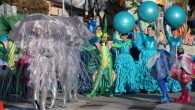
(172, 41)
(126, 71)
(139, 41)
(184, 78)
(146, 81)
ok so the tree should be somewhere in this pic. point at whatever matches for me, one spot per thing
(29, 6)
(182, 3)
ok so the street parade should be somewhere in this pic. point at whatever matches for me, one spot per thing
(97, 55)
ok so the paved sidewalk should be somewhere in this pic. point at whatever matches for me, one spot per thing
(138, 101)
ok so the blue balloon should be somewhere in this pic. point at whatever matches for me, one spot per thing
(123, 22)
(175, 16)
(148, 11)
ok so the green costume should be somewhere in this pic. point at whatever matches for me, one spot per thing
(105, 63)
(8, 50)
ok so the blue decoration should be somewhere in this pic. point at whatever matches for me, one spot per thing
(175, 16)
(123, 22)
(92, 25)
(148, 11)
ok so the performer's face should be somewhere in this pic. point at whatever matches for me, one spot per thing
(150, 31)
(97, 30)
(38, 32)
(104, 39)
(175, 32)
(137, 28)
(124, 37)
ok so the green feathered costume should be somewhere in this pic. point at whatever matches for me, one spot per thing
(8, 50)
(105, 61)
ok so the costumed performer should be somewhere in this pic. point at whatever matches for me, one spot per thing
(161, 66)
(183, 71)
(146, 81)
(104, 47)
(125, 68)
(174, 41)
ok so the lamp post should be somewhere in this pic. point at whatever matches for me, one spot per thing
(63, 11)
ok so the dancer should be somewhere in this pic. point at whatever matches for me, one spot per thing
(174, 41)
(160, 64)
(146, 81)
(105, 61)
(42, 64)
(183, 71)
(138, 44)
(125, 68)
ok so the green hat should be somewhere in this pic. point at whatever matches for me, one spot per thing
(3, 38)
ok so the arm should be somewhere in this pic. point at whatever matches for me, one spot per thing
(116, 45)
(156, 31)
(89, 48)
(142, 31)
(166, 32)
(134, 34)
(115, 38)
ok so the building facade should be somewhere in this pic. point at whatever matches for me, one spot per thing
(8, 10)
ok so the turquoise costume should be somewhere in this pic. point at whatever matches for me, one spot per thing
(146, 81)
(172, 41)
(173, 85)
(125, 70)
(139, 41)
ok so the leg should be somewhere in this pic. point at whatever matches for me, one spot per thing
(185, 97)
(36, 94)
(43, 97)
(104, 85)
(54, 94)
(64, 95)
(98, 78)
(110, 76)
(69, 82)
(75, 85)
(64, 91)
(165, 97)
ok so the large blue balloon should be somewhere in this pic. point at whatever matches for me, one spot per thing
(123, 22)
(148, 11)
(175, 16)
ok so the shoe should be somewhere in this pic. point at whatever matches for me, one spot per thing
(164, 99)
(188, 99)
(181, 99)
(92, 94)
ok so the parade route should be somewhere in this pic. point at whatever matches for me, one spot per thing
(137, 101)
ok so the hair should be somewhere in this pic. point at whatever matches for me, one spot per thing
(98, 27)
(136, 22)
(150, 26)
(173, 29)
(180, 51)
(124, 34)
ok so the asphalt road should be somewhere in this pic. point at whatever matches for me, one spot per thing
(138, 101)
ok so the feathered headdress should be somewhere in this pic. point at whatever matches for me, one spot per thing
(105, 29)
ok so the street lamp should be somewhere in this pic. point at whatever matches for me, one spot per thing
(63, 11)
